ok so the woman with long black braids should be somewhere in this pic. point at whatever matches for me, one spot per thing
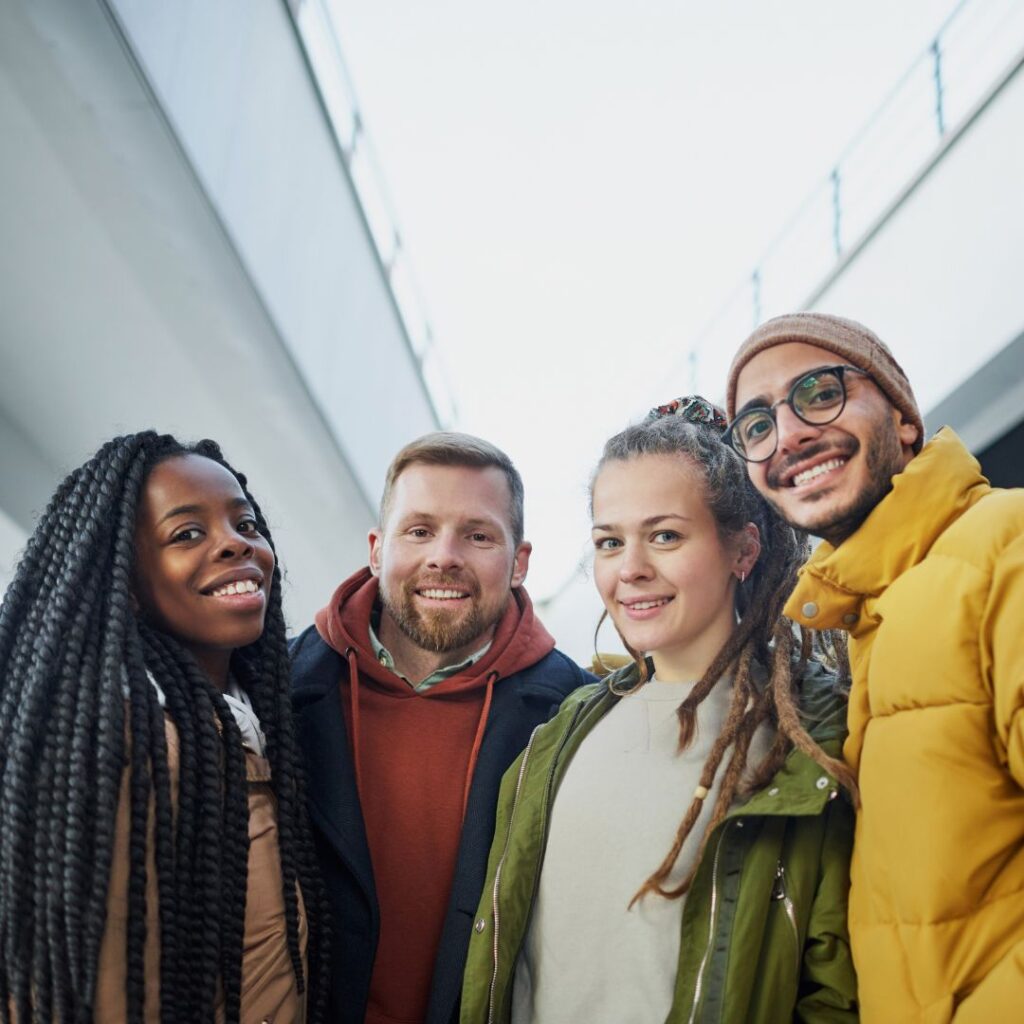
(155, 863)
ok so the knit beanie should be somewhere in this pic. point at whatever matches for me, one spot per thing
(852, 341)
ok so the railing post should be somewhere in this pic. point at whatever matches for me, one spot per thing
(836, 212)
(940, 116)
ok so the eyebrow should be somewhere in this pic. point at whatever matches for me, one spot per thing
(191, 510)
(649, 521)
(427, 517)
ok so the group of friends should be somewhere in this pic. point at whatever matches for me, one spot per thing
(801, 796)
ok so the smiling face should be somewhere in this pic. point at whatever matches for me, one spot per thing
(825, 479)
(666, 576)
(202, 569)
(446, 560)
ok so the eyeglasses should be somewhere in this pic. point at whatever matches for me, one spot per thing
(818, 397)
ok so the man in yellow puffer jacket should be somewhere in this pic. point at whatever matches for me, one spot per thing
(923, 565)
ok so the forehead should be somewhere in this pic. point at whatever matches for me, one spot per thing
(452, 492)
(771, 372)
(648, 485)
(188, 480)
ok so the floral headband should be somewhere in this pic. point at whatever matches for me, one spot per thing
(694, 409)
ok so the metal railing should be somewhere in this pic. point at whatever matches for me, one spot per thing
(316, 31)
(980, 42)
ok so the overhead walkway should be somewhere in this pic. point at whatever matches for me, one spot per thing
(191, 243)
(918, 232)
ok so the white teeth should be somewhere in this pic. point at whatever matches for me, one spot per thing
(816, 471)
(442, 595)
(241, 587)
(640, 606)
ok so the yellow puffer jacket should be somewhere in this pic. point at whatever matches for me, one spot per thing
(931, 590)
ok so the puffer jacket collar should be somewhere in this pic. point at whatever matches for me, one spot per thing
(899, 532)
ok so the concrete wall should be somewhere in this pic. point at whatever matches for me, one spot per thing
(183, 250)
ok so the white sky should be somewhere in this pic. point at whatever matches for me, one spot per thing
(581, 184)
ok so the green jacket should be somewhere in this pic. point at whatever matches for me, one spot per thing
(764, 934)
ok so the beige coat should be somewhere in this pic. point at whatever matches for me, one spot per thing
(269, 993)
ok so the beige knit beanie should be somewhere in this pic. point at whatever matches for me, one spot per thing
(847, 338)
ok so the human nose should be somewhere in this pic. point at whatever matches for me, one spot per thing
(232, 544)
(792, 432)
(634, 564)
(445, 552)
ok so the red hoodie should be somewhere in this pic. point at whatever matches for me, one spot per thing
(414, 755)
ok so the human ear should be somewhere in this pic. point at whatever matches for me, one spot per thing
(520, 564)
(376, 541)
(909, 433)
(748, 550)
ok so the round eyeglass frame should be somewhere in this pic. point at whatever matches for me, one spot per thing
(837, 371)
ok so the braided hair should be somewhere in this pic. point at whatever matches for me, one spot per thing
(77, 707)
(691, 429)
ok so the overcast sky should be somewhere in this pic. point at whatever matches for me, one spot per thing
(581, 184)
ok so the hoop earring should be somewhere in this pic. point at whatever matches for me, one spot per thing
(743, 577)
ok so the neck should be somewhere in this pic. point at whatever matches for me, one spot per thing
(690, 659)
(215, 665)
(415, 662)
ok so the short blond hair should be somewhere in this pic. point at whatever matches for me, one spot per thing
(451, 448)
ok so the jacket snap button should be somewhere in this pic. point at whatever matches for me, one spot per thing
(850, 618)
(822, 782)
(774, 791)
(810, 609)
(480, 925)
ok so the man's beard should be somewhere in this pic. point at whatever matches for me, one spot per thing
(883, 458)
(441, 631)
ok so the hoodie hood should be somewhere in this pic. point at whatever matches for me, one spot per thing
(519, 641)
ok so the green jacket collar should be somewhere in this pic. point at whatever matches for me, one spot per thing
(800, 787)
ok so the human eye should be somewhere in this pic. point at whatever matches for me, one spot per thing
(819, 390)
(607, 543)
(755, 426)
(666, 537)
(186, 535)
(247, 525)
(480, 538)
(417, 532)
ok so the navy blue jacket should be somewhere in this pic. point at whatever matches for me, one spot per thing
(520, 703)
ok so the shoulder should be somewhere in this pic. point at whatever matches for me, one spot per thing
(555, 673)
(993, 522)
(985, 541)
(315, 665)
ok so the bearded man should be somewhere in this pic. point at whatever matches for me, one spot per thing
(922, 564)
(419, 684)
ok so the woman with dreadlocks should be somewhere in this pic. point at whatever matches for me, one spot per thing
(154, 858)
(719, 722)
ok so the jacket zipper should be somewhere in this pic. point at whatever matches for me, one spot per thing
(508, 838)
(712, 920)
(779, 893)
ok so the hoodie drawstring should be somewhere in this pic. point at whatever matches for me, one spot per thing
(492, 678)
(353, 676)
